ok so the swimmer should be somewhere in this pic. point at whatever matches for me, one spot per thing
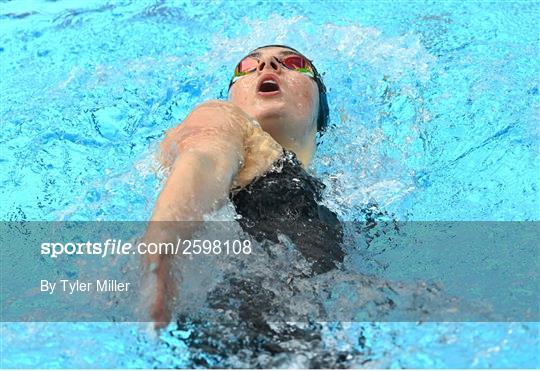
(226, 149)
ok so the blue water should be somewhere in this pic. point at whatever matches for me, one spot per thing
(435, 108)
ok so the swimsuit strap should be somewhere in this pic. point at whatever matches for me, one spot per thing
(286, 199)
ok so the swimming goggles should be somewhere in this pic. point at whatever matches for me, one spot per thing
(292, 62)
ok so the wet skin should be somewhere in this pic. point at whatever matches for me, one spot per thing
(224, 145)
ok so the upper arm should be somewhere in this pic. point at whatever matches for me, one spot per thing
(212, 127)
(223, 132)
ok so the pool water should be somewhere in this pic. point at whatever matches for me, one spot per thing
(434, 107)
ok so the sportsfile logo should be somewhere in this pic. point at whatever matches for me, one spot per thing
(109, 247)
(117, 247)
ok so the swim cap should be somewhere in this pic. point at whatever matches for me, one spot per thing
(322, 118)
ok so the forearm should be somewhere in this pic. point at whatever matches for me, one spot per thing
(198, 181)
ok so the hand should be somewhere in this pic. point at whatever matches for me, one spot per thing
(159, 283)
(158, 289)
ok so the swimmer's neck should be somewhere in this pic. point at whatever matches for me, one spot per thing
(303, 149)
(303, 154)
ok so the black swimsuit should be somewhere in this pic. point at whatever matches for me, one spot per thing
(283, 201)
(287, 200)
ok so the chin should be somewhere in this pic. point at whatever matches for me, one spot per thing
(271, 110)
(273, 122)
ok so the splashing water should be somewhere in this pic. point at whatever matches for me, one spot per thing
(434, 109)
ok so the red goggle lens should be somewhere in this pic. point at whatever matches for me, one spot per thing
(249, 64)
(246, 65)
(294, 62)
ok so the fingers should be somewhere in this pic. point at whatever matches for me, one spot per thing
(161, 309)
(158, 290)
(160, 315)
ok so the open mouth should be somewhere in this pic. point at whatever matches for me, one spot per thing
(268, 85)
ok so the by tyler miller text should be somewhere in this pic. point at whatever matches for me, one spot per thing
(78, 286)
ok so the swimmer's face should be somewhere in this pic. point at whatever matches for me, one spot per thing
(287, 108)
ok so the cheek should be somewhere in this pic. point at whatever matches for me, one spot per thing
(306, 96)
(239, 95)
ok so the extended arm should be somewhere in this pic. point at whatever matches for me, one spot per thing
(217, 146)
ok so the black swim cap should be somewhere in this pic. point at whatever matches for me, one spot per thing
(322, 118)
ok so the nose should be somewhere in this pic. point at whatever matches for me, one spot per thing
(268, 63)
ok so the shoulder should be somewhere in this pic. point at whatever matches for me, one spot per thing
(284, 177)
(261, 151)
